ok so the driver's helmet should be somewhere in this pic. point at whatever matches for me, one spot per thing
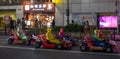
(61, 29)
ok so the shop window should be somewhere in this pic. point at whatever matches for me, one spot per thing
(76, 18)
(10, 2)
(17, 1)
(27, 0)
(36, 1)
(50, 0)
(0, 2)
(47, 0)
(4, 1)
(43, 0)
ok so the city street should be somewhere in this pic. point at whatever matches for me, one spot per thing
(29, 52)
(36, 26)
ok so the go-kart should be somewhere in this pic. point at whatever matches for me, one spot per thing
(67, 44)
(69, 38)
(91, 44)
(115, 40)
(44, 43)
(62, 35)
(49, 41)
(19, 38)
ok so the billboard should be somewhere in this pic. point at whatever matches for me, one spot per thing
(108, 22)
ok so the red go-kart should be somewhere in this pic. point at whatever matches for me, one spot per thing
(44, 43)
(89, 43)
(20, 38)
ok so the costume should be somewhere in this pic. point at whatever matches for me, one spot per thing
(61, 34)
(51, 38)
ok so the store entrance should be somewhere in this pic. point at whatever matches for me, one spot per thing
(5, 15)
(39, 19)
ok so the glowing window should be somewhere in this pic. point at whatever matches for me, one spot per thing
(36, 6)
(49, 7)
(27, 7)
(44, 5)
(31, 6)
(40, 5)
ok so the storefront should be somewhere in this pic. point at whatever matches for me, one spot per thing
(5, 15)
(37, 14)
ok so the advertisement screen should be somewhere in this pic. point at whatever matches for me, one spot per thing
(108, 21)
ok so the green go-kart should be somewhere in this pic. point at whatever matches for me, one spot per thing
(19, 38)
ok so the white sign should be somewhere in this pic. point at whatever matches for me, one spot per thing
(27, 7)
(49, 7)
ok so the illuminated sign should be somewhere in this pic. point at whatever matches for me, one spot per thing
(27, 7)
(7, 18)
(40, 7)
(49, 7)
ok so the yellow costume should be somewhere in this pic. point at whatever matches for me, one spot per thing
(51, 37)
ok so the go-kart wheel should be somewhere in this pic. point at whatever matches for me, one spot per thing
(10, 40)
(108, 50)
(38, 44)
(83, 48)
(27, 42)
(58, 46)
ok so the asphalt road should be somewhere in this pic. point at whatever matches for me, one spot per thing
(3, 42)
(13, 53)
(29, 52)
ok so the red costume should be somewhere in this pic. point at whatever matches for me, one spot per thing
(61, 33)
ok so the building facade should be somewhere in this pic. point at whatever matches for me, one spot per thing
(85, 9)
(80, 10)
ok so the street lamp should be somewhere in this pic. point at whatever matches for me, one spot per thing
(67, 12)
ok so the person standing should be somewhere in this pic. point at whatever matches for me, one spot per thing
(18, 23)
(11, 25)
(86, 27)
(23, 24)
(53, 23)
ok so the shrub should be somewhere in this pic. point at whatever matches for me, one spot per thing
(73, 28)
(36, 30)
(69, 28)
(57, 28)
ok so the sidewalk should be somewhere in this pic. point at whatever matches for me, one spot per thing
(2, 33)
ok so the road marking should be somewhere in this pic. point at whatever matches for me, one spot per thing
(17, 47)
(64, 51)
(2, 42)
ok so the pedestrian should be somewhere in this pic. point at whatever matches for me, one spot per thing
(86, 27)
(18, 23)
(36, 23)
(53, 23)
(72, 21)
(11, 25)
(23, 24)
